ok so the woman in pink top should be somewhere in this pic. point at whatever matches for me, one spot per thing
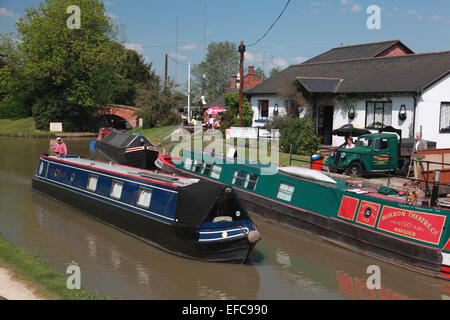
(60, 147)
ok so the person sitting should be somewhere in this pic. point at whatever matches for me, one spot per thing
(59, 148)
(349, 143)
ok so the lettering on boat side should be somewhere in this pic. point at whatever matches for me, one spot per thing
(421, 226)
(348, 207)
(368, 213)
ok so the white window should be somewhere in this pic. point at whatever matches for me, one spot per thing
(116, 189)
(92, 182)
(216, 171)
(444, 125)
(238, 177)
(250, 181)
(285, 191)
(188, 164)
(378, 114)
(144, 197)
(206, 169)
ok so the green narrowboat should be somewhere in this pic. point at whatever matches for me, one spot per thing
(375, 222)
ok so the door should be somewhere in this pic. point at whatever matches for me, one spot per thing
(381, 154)
(327, 124)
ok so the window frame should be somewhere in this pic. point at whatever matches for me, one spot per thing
(260, 109)
(443, 130)
(370, 125)
(112, 189)
(218, 172)
(236, 176)
(291, 195)
(89, 180)
(139, 195)
(248, 180)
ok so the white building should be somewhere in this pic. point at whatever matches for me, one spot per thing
(367, 85)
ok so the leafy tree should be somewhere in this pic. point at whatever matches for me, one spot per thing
(260, 73)
(221, 62)
(157, 104)
(274, 71)
(71, 69)
(298, 132)
(231, 117)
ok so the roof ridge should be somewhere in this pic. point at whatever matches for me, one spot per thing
(372, 58)
(366, 44)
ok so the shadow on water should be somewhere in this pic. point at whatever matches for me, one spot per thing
(286, 264)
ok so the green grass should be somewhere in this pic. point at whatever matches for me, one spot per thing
(20, 128)
(28, 268)
(153, 133)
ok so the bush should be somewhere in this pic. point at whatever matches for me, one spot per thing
(14, 109)
(301, 134)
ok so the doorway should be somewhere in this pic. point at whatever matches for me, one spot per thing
(325, 124)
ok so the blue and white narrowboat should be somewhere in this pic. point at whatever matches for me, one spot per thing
(189, 217)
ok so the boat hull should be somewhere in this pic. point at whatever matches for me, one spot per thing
(143, 157)
(422, 259)
(162, 235)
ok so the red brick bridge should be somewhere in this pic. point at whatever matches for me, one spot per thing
(127, 113)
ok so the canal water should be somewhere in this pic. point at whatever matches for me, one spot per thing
(286, 264)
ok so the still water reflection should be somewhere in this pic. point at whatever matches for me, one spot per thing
(287, 264)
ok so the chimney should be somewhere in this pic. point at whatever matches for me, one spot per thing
(251, 69)
(233, 81)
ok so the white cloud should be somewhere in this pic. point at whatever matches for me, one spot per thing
(135, 46)
(209, 32)
(314, 4)
(436, 18)
(415, 13)
(356, 8)
(177, 57)
(344, 1)
(268, 61)
(299, 59)
(6, 13)
(109, 3)
(191, 46)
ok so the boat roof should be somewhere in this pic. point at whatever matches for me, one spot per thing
(147, 175)
(121, 139)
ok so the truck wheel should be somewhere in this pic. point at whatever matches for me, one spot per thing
(354, 169)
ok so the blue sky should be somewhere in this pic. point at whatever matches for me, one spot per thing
(307, 28)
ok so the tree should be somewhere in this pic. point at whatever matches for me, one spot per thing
(274, 71)
(70, 70)
(221, 62)
(157, 104)
(231, 117)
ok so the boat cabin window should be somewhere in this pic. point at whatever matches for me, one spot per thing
(250, 181)
(285, 191)
(216, 171)
(238, 177)
(144, 197)
(116, 189)
(92, 182)
(206, 168)
(197, 165)
(188, 164)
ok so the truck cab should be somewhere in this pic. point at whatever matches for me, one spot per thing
(372, 152)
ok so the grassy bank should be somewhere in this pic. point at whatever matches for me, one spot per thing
(21, 128)
(29, 269)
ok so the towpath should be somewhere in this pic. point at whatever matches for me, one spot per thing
(13, 289)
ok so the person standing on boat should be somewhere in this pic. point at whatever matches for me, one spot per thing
(59, 148)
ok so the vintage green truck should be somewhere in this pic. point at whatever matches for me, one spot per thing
(382, 151)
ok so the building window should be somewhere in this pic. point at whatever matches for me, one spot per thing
(285, 191)
(444, 125)
(188, 164)
(378, 114)
(216, 171)
(250, 181)
(238, 177)
(116, 189)
(92, 182)
(263, 106)
(144, 197)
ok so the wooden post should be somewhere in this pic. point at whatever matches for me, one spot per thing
(241, 82)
